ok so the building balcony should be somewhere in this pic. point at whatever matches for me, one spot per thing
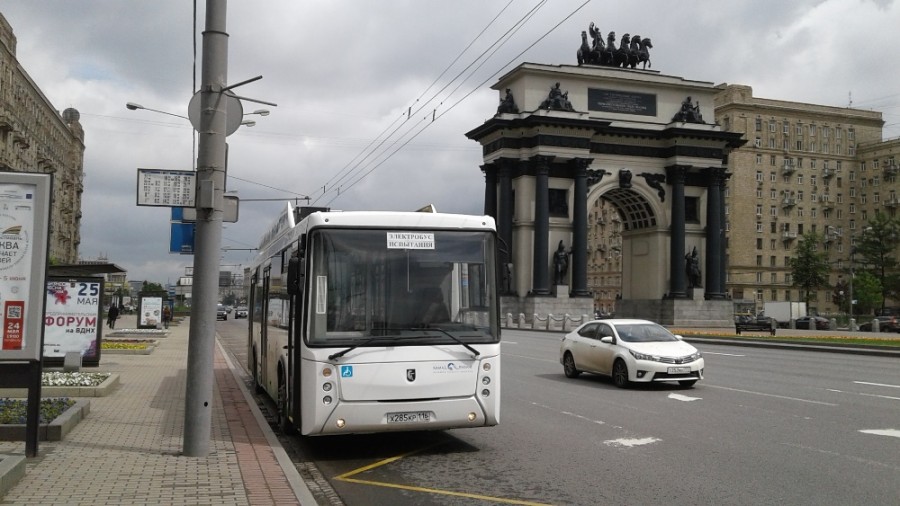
(828, 173)
(788, 169)
(892, 202)
(788, 202)
(788, 236)
(891, 170)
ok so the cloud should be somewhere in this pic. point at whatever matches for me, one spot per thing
(345, 74)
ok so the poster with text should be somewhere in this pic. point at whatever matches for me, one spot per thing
(72, 318)
(151, 311)
(24, 228)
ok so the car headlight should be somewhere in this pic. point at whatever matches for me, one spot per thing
(695, 356)
(642, 356)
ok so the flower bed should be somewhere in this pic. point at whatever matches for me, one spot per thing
(57, 417)
(70, 384)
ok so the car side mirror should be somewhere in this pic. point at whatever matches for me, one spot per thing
(607, 340)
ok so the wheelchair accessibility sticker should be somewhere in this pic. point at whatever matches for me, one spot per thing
(346, 371)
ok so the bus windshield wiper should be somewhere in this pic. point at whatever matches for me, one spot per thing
(347, 350)
(458, 340)
(357, 345)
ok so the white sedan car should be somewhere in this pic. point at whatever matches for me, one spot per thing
(630, 351)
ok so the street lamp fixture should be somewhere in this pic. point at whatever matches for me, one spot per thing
(261, 112)
(248, 123)
(133, 107)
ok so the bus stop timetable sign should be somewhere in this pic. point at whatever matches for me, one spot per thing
(166, 188)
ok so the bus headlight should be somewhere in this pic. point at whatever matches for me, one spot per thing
(485, 393)
(326, 372)
(327, 386)
(326, 400)
(486, 366)
(486, 380)
(472, 417)
(340, 423)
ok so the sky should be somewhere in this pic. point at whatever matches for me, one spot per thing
(374, 98)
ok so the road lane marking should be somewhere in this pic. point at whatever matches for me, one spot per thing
(852, 458)
(630, 443)
(707, 385)
(883, 432)
(724, 354)
(876, 384)
(880, 396)
(685, 398)
(349, 478)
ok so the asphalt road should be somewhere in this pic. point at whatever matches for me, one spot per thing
(765, 426)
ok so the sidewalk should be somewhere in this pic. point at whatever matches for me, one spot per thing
(127, 451)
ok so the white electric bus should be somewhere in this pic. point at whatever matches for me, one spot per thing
(376, 321)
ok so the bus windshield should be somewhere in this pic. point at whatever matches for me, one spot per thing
(405, 287)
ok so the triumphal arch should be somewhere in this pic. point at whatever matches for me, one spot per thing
(564, 136)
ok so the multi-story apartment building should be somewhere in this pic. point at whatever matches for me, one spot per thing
(35, 137)
(805, 168)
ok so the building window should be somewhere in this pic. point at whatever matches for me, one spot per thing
(759, 124)
(759, 243)
(759, 176)
(772, 158)
(759, 228)
(757, 142)
(758, 158)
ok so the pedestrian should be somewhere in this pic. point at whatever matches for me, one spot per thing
(112, 316)
(166, 315)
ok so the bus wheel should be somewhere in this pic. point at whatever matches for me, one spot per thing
(283, 422)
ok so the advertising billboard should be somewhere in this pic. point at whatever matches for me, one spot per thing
(24, 229)
(73, 319)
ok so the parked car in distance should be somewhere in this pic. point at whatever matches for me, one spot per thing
(221, 313)
(821, 322)
(759, 322)
(240, 312)
(885, 324)
(630, 351)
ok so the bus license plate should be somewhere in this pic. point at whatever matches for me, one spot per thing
(679, 370)
(409, 417)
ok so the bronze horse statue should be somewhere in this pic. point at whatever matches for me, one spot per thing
(620, 58)
(584, 52)
(634, 50)
(644, 53)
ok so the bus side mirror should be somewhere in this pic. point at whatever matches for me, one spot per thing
(295, 272)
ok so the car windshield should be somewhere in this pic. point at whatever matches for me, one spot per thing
(644, 333)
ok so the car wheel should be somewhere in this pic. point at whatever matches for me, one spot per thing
(687, 383)
(569, 366)
(620, 374)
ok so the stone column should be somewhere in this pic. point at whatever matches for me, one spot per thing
(714, 258)
(723, 251)
(490, 190)
(579, 228)
(504, 222)
(677, 281)
(540, 280)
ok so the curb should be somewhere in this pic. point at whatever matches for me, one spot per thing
(101, 390)
(787, 345)
(56, 430)
(12, 469)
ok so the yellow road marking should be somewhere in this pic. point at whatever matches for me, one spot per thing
(348, 477)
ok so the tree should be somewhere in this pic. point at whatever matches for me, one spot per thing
(867, 292)
(152, 287)
(809, 266)
(876, 246)
(840, 295)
